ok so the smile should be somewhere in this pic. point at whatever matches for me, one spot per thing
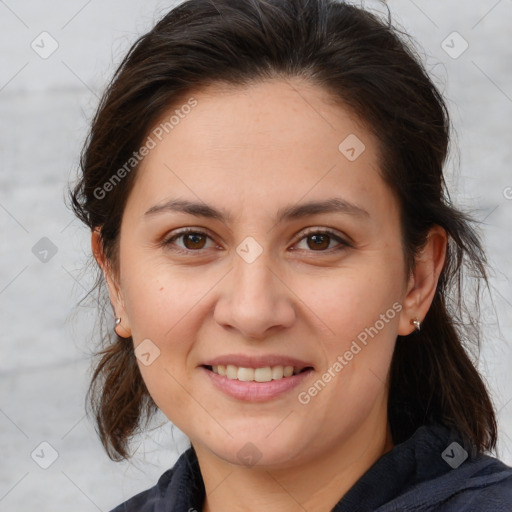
(264, 374)
(241, 382)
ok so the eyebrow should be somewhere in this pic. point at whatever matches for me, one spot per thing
(292, 212)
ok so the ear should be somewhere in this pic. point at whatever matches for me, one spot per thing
(422, 283)
(114, 291)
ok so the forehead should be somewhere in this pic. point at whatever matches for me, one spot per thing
(263, 143)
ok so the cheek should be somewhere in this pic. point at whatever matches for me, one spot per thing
(357, 312)
(159, 296)
(161, 309)
(352, 299)
(158, 303)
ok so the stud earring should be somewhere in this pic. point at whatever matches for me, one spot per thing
(416, 323)
(117, 322)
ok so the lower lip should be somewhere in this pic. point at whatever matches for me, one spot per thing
(255, 391)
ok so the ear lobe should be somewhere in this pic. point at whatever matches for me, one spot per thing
(116, 298)
(423, 281)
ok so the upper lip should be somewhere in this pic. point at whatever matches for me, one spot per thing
(245, 361)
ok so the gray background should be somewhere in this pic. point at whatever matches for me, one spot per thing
(45, 107)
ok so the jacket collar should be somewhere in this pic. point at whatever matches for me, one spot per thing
(415, 475)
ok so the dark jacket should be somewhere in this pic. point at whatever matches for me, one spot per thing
(430, 471)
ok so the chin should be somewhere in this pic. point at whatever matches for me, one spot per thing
(258, 452)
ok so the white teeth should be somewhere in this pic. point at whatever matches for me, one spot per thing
(265, 374)
(262, 374)
(288, 371)
(231, 371)
(277, 372)
(245, 374)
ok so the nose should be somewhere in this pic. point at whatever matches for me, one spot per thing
(255, 299)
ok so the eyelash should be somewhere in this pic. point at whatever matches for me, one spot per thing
(314, 231)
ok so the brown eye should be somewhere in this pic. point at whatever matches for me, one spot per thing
(319, 241)
(191, 241)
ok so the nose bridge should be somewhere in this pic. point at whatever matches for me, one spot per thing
(255, 298)
(253, 277)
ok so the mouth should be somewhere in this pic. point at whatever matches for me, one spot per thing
(261, 374)
(255, 382)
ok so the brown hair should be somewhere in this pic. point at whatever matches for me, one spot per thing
(363, 62)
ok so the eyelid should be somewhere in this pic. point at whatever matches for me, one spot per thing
(343, 240)
(167, 239)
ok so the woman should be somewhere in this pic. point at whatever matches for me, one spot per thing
(263, 182)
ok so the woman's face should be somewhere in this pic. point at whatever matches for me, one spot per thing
(269, 280)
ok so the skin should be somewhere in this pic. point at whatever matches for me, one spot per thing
(251, 151)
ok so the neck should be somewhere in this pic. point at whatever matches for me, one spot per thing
(315, 485)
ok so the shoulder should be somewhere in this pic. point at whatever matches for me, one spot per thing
(481, 484)
(147, 501)
(179, 489)
(486, 486)
(434, 471)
